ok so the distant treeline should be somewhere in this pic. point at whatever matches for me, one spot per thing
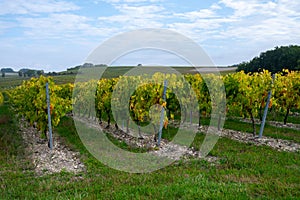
(22, 73)
(85, 65)
(285, 57)
(4, 72)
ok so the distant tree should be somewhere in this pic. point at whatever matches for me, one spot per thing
(3, 74)
(7, 70)
(285, 57)
(139, 65)
(74, 68)
(40, 72)
(23, 70)
(87, 65)
(101, 65)
(30, 73)
(20, 73)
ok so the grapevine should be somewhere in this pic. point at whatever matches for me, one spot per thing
(29, 101)
(1, 98)
(287, 91)
(246, 96)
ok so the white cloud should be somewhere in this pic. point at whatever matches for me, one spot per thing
(244, 8)
(35, 6)
(61, 26)
(49, 19)
(139, 10)
(194, 15)
(271, 29)
(236, 30)
(131, 1)
(264, 21)
(54, 24)
(288, 8)
(250, 19)
(133, 17)
(230, 29)
(210, 12)
(202, 24)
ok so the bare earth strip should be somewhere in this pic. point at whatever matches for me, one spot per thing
(278, 144)
(166, 149)
(62, 158)
(176, 152)
(276, 124)
(47, 161)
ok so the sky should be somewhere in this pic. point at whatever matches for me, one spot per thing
(57, 34)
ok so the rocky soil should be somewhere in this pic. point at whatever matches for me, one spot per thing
(47, 161)
(174, 151)
(166, 149)
(278, 144)
(276, 124)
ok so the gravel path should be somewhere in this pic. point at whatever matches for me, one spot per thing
(166, 149)
(276, 124)
(174, 151)
(62, 158)
(44, 160)
(278, 144)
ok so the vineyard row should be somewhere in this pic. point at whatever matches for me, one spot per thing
(140, 97)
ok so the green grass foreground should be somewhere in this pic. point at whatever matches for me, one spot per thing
(245, 171)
